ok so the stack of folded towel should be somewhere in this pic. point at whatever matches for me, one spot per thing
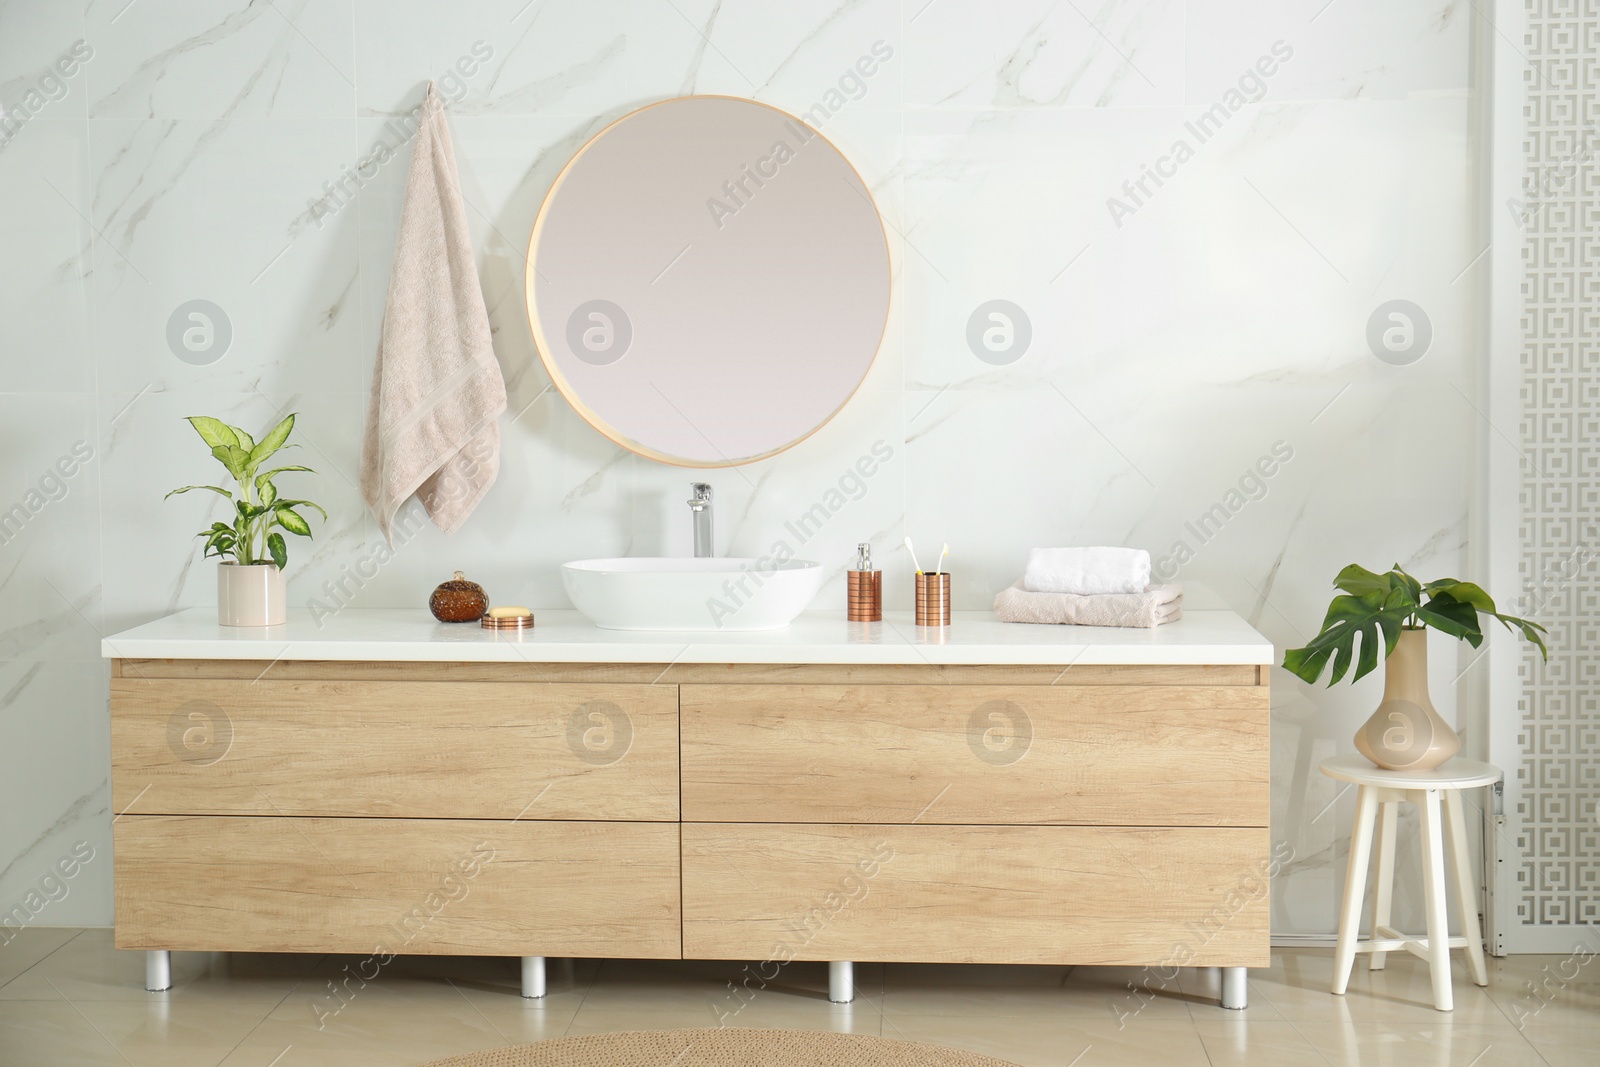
(1090, 587)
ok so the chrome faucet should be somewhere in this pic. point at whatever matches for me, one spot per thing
(700, 504)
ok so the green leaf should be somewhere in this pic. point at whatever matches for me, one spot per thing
(1305, 663)
(1400, 598)
(1391, 633)
(277, 471)
(249, 511)
(1350, 618)
(1410, 583)
(292, 521)
(280, 551)
(1532, 631)
(214, 432)
(246, 442)
(1369, 651)
(269, 492)
(1343, 653)
(185, 489)
(302, 503)
(1463, 592)
(272, 442)
(219, 543)
(1359, 581)
(231, 458)
(1451, 617)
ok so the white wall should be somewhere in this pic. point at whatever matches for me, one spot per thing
(185, 160)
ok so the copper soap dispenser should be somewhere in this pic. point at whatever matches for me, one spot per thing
(865, 601)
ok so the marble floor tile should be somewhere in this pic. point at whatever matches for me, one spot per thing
(1241, 1043)
(842, 1019)
(1564, 1046)
(73, 998)
(90, 968)
(1101, 993)
(1297, 986)
(163, 1032)
(1539, 993)
(28, 946)
(1044, 1041)
(36, 1034)
(1443, 1043)
(716, 987)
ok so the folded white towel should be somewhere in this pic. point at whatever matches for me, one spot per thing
(1086, 571)
(437, 389)
(1156, 606)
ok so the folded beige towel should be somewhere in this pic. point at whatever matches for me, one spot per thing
(437, 389)
(1156, 605)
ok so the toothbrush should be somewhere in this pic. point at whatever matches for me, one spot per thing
(913, 552)
(942, 554)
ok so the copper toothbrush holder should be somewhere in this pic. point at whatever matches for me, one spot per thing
(933, 598)
(865, 601)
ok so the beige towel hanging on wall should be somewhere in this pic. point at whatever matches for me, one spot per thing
(437, 390)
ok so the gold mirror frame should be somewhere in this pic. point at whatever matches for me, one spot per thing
(571, 394)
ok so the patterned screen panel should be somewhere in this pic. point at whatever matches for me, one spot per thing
(1559, 736)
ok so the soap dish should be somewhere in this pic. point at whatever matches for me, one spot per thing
(510, 622)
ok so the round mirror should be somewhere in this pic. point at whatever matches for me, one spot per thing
(708, 281)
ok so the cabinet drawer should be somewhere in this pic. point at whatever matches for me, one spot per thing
(944, 894)
(1086, 755)
(430, 886)
(492, 750)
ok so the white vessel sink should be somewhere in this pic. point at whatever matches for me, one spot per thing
(682, 593)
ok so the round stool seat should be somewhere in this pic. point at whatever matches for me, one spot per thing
(1453, 774)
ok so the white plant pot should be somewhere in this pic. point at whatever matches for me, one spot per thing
(251, 595)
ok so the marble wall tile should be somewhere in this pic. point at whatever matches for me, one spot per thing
(970, 55)
(222, 211)
(1343, 49)
(34, 39)
(201, 59)
(511, 57)
(55, 788)
(44, 183)
(847, 57)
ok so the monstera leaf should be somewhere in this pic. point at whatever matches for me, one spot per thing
(1376, 607)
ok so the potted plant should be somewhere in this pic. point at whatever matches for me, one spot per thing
(1406, 732)
(251, 552)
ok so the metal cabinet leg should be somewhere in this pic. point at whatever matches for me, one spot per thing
(157, 970)
(533, 977)
(841, 982)
(1235, 988)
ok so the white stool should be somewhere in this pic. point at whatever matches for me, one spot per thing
(1384, 791)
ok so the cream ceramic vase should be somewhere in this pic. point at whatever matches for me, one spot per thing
(251, 595)
(1407, 733)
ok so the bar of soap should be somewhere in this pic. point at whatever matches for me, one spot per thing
(510, 612)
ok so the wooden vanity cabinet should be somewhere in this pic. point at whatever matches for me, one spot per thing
(997, 814)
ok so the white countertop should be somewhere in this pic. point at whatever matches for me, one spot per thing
(388, 634)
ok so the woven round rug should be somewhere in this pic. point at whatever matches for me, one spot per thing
(727, 1047)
